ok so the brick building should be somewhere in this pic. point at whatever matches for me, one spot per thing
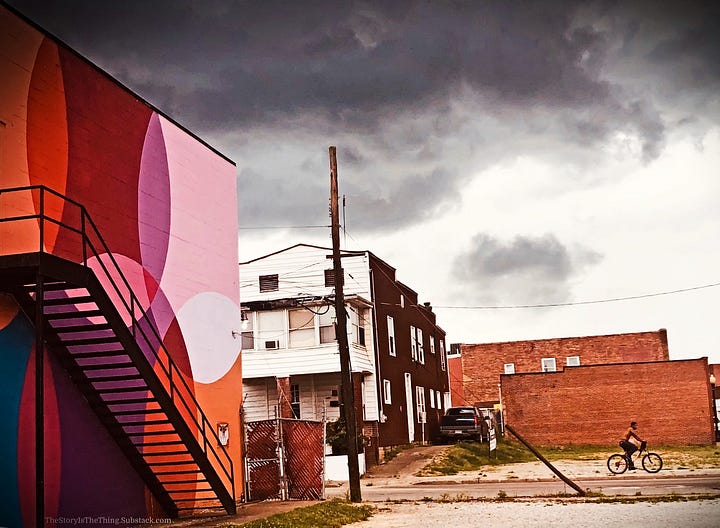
(482, 364)
(671, 401)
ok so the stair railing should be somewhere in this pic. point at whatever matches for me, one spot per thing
(179, 389)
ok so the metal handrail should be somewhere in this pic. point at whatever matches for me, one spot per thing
(134, 303)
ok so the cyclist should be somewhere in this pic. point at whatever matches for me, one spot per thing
(630, 443)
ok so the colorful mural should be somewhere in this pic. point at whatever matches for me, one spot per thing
(165, 203)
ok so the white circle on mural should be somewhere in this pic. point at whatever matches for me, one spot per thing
(207, 322)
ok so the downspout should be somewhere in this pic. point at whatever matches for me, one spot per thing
(378, 380)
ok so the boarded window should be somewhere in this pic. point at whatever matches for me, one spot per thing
(269, 283)
(329, 278)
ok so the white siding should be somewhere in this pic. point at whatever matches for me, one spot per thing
(260, 399)
(301, 272)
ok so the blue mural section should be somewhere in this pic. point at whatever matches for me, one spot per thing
(16, 341)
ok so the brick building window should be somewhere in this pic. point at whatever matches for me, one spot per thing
(420, 398)
(572, 361)
(509, 368)
(548, 365)
(442, 354)
(387, 392)
(391, 335)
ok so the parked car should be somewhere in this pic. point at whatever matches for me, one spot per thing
(462, 423)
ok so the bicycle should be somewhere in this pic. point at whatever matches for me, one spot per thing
(651, 462)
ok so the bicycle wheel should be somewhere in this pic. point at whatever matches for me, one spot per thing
(617, 464)
(652, 462)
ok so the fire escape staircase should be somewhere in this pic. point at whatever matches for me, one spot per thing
(114, 355)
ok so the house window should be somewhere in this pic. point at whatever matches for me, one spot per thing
(329, 278)
(268, 283)
(357, 320)
(413, 343)
(442, 354)
(439, 400)
(248, 342)
(387, 393)
(391, 335)
(420, 346)
(402, 301)
(271, 329)
(432, 344)
(327, 326)
(509, 368)
(302, 328)
(295, 400)
(548, 365)
(572, 361)
(432, 399)
(420, 398)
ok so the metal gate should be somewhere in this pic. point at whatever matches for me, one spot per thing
(284, 459)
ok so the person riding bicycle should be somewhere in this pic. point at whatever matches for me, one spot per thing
(631, 443)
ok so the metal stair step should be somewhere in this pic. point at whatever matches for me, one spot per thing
(182, 472)
(88, 340)
(168, 442)
(118, 390)
(62, 301)
(99, 354)
(166, 453)
(73, 315)
(144, 422)
(127, 377)
(107, 366)
(83, 327)
(174, 463)
(136, 412)
(188, 481)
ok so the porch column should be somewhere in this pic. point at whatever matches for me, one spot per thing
(283, 392)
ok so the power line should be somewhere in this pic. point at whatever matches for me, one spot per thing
(286, 227)
(577, 303)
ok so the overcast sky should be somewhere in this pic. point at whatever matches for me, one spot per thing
(495, 153)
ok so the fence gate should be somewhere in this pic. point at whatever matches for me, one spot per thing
(284, 460)
(262, 465)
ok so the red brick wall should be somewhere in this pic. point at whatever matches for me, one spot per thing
(670, 400)
(457, 391)
(483, 363)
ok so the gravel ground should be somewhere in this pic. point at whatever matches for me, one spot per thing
(692, 514)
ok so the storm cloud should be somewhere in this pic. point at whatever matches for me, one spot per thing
(527, 269)
(421, 95)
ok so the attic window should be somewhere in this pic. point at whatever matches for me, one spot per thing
(268, 283)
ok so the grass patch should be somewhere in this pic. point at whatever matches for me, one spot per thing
(472, 456)
(331, 514)
(469, 456)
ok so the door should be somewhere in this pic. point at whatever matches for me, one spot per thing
(409, 407)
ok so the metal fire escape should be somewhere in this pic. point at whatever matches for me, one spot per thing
(113, 353)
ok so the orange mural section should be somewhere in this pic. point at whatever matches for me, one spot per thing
(221, 400)
(18, 48)
(47, 136)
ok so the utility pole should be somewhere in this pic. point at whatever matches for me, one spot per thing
(348, 403)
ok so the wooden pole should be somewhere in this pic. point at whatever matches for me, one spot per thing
(348, 397)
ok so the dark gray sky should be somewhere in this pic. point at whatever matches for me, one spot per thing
(543, 152)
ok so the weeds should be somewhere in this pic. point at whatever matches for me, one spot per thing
(331, 514)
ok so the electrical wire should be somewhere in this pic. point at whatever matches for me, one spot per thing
(580, 303)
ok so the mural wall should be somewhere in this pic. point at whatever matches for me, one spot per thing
(166, 204)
